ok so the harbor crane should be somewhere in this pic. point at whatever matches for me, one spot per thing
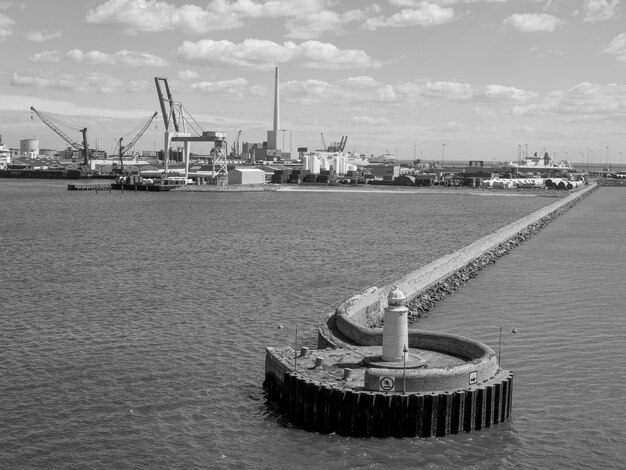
(177, 119)
(335, 146)
(235, 151)
(83, 148)
(124, 148)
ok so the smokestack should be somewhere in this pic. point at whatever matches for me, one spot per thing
(276, 111)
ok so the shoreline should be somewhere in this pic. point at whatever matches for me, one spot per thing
(378, 189)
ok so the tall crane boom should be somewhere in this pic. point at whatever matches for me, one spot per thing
(82, 147)
(143, 129)
(169, 117)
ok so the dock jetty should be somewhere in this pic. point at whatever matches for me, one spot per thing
(89, 187)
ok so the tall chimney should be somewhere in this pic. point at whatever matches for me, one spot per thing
(276, 110)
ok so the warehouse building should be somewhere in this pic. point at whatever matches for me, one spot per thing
(246, 176)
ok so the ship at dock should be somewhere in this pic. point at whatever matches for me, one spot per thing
(538, 162)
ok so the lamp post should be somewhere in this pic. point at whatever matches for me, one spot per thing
(295, 348)
(514, 331)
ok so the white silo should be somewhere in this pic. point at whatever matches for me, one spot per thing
(29, 147)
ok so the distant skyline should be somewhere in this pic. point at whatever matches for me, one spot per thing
(458, 79)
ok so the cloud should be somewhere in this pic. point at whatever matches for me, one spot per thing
(507, 93)
(533, 22)
(83, 83)
(136, 16)
(350, 90)
(585, 101)
(6, 27)
(263, 54)
(238, 88)
(188, 75)
(42, 36)
(426, 14)
(600, 10)
(45, 57)
(314, 25)
(617, 47)
(365, 89)
(448, 90)
(370, 120)
(125, 57)
(21, 103)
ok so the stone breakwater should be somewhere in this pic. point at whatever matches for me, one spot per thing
(425, 301)
(357, 319)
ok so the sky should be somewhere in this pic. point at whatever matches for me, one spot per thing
(433, 79)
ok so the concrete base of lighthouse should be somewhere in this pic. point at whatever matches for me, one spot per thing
(447, 395)
(413, 361)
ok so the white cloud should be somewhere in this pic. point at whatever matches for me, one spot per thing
(82, 83)
(426, 14)
(350, 90)
(507, 93)
(370, 120)
(6, 27)
(42, 36)
(239, 88)
(20, 103)
(533, 22)
(263, 54)
(448, 90)
(585, 101)
(46, 57)
(156, 15)
(314, 25)
(188, 75)
(131, 58)
(617, 47)
(600, 10)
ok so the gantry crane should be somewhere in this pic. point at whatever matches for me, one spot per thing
(124, 148)
(83, 148)
(175, 115)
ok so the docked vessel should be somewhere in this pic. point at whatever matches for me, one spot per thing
(540, 162)
(22, 171)
(5, 155)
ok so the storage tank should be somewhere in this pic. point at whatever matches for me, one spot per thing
(28, 146)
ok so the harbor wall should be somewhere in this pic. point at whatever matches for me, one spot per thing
(330, 407)
(356, 319)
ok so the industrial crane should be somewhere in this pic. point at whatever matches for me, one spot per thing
(83, 148)
(177, 119)
(236, 145)
(124, 148)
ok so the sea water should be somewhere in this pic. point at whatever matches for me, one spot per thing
(133, 325)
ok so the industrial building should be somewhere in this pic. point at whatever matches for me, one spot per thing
(246, 176)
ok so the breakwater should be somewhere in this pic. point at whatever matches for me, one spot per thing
(332, 390)
(357, 319)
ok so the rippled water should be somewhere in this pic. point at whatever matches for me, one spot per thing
(133, 326)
